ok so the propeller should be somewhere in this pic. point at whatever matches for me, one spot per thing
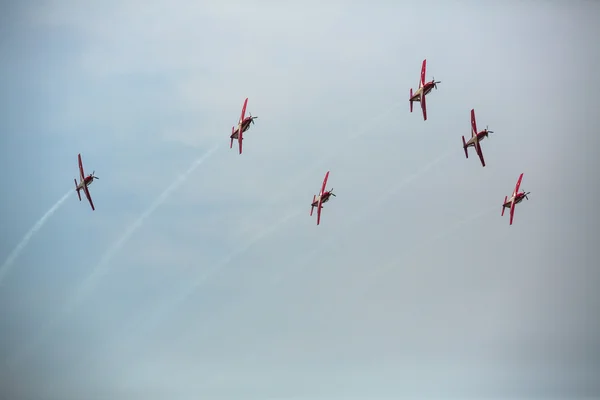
(252, 118)
(488, 131)
(435, 83)
(526, 195)
(331, 192)
(94, 176)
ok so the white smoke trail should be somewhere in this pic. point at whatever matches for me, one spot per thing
(155, 318)
(282, 272)
(101, 267)
(38, 225)
(216, 267)
(365, 213)
(438, 236)
(212, 270)
(366, 128)
(360, 288)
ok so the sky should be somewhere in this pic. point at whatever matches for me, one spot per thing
(201, 274)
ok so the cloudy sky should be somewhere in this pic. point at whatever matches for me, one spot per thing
(201, 274)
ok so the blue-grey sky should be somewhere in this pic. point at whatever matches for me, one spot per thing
(412, 286)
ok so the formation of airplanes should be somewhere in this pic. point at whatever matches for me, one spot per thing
(324, 195)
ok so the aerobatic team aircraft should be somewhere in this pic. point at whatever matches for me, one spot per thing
(422, 91)
(321, 198)
(476, 138)
(84, 182)
(243, 126)
(515, 199)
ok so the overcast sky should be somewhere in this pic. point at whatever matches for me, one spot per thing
(206, 278)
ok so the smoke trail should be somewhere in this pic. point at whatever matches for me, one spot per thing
(101, 268)
(216, 267)
(367, 127)
(38, 225)
(440, 235)
(226, 260)
(375, 205)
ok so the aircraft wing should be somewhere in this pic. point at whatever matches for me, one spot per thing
(240, 128)
(473, 124)
(319, 204)
(512, 210)
(479, 152)
(81, 174)
(87, 194)
(324, 184)
(319, 208)
(424, 106)
(243, 110)
(422, 83)
(518, 185)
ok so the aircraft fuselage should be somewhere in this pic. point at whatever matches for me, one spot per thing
(245, 126)
(518, 198)
(86, 182)
(480, 136)
(325, 198)
(422, 91)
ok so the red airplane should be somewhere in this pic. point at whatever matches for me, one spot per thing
(323, 197)
(476, 137)
(422, 91)
(84, 182)
(243, 126)
(515, 199)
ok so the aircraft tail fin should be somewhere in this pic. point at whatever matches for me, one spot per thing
(410, 100)
(77, 189)
(312, 205)
(503, 208)
(465, 147)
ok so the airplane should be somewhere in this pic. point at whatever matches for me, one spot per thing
(476, 138)
(243, 126)
(322, 198)
(84, 182)
(422, 91)
(515, 199)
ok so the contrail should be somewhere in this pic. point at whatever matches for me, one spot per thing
(38, 225)
(370, 125)
(217, 266)
(367, 282)
(101, 268)
(440, 235)
(372, 206)
(277, 277)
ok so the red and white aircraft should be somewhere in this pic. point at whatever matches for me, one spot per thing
(323, 197)
(515, 199)
(422, 91)
(243, 126)
(476, 138)
(84, 182)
